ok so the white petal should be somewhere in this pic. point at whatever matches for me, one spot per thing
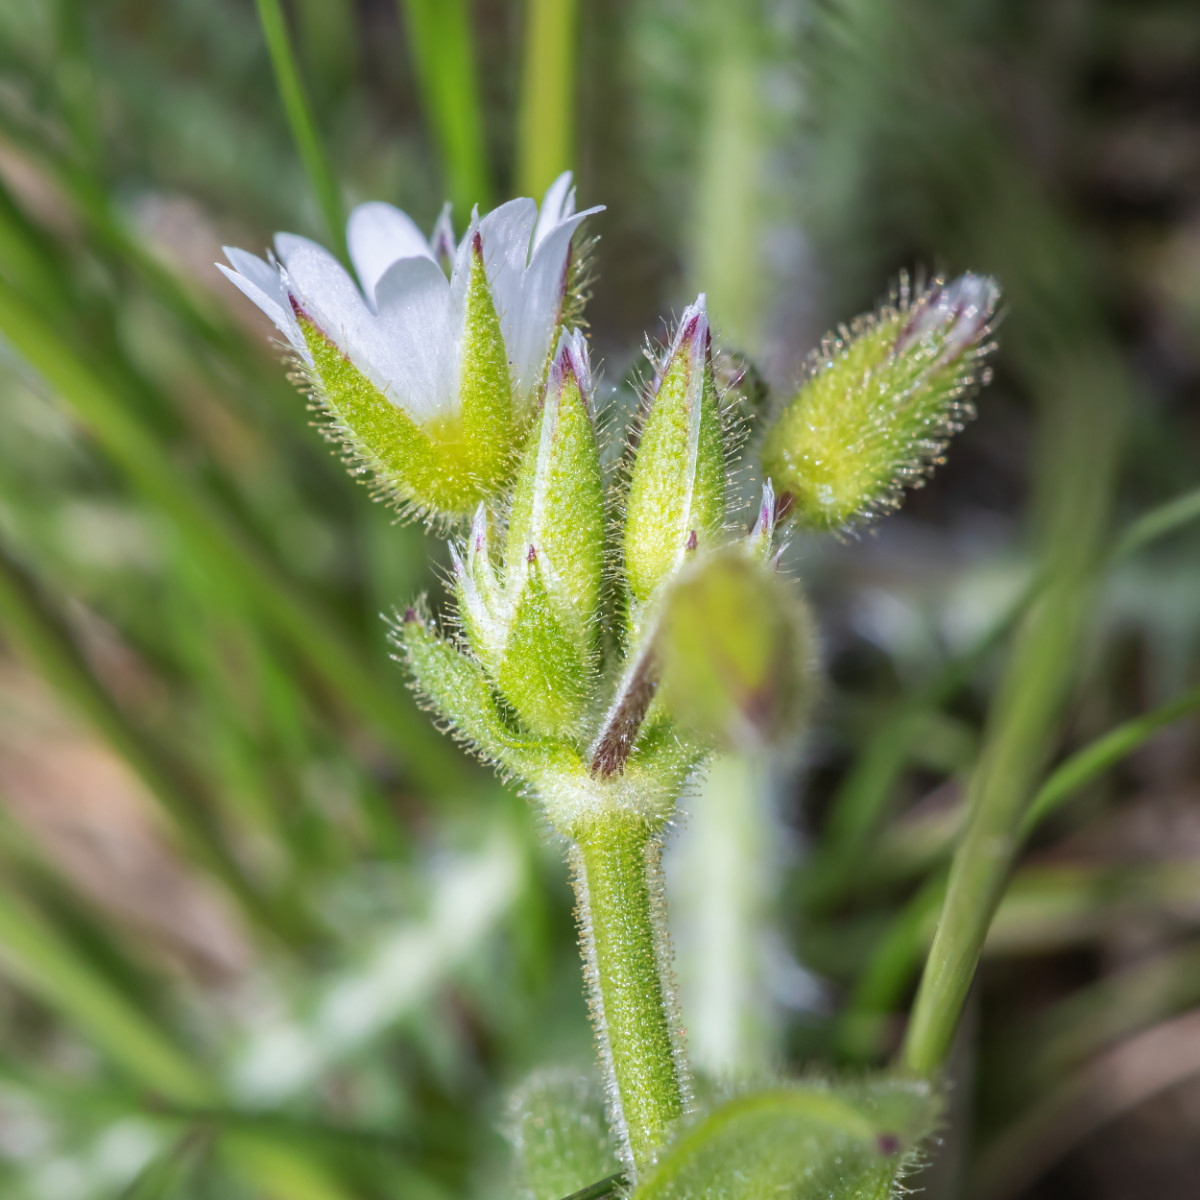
(324, 289)
(271, 299)
(377, 235)
(414, 313)
(263, 274)
(558, 203)
(506, 232)
(528, 336)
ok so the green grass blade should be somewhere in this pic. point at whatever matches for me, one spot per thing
(28, 616)
(300, 118)
(1158, 523)
(163, 1174)
(546, 121)
(443, 59)
(37, 957)
(213, 540)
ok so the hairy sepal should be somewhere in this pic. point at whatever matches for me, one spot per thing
(676, 498)
(455, 688)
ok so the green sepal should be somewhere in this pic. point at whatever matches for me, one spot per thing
(804, 1141)
(736, 650)
(546, 668)
(559, 1134)
(489, 427)
(446, 465)
(558, 503)
(880, 403)
(676, 497)
(457, 690)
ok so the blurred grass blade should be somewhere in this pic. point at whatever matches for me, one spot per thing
(895, 957)
(300, 118)
(1093, 760)
(160, 1178)
(429, 759)
(727, 228)
(49, 967)
(443, 60)
(1158, 523)
(1079, 456)
(27, 616)
(549, 71)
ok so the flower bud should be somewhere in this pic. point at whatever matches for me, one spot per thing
(880, 403)
(736, 652)
(558, 504)
(534, 630)
(677, 488)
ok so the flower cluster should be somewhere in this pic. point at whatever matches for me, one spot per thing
(614, 633)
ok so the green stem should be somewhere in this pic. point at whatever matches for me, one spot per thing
(300, 118)
(546, 143)
(617, 866)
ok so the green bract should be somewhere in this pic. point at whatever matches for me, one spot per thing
(881, 401)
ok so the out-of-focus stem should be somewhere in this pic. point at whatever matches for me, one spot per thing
(546, 129)
(616, 862)
(727, 224)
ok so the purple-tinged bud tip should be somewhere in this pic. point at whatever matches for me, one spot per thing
(410, 616)
(692, 541)
(765, 521)
(531, 557)
(960, 311)
(441, 241)
(479, 531)
(571, 358)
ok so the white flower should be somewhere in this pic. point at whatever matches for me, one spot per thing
(404, 328)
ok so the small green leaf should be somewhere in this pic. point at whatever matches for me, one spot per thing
(881, 401)
(677, 488)
(559, 1134)
(806, 1141)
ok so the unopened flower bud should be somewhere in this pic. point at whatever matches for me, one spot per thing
(677, 489)
(880, 403)
(736, 650)
(533, 628)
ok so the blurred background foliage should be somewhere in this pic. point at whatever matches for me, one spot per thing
(262, 932)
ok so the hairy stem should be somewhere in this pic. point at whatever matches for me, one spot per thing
(616, 864)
